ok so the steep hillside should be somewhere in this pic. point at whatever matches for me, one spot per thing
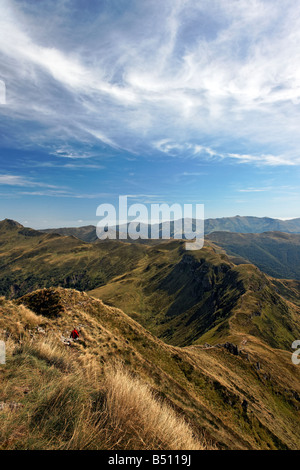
(275, 253)
(289, 289)
(193, 297)
(60, 396)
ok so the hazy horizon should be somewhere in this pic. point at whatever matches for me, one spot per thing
(79, 224)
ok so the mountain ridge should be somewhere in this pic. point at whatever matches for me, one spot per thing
(240, 224)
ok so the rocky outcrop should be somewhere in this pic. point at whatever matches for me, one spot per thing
(232, 348)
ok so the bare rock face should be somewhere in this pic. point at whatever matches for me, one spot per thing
(232, 348)
(245, 405)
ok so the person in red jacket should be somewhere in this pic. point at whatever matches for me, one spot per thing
(74, 334)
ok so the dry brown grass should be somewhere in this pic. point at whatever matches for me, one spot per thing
(73, 404)
(17, 320)
(140, 420)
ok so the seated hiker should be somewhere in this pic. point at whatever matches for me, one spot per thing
(74, 334)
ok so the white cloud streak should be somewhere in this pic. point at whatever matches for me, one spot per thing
(196, 151)
(16, 180)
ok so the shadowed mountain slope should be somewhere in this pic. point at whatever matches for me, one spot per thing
(201, 296)
(275, 253)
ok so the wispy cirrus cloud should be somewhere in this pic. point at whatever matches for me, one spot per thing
(186, 149)
(60, 193)
(63, 153)
(179, 72)
(194, 173)
(196, 151)
(67, 165)
(271, 160)
(17, 180)
(253, 190)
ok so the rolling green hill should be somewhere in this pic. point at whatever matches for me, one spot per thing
(30, 259)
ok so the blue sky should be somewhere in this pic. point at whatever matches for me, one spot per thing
(188, 101)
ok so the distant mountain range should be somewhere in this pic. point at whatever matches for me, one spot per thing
(252, 225)
(228, 224)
